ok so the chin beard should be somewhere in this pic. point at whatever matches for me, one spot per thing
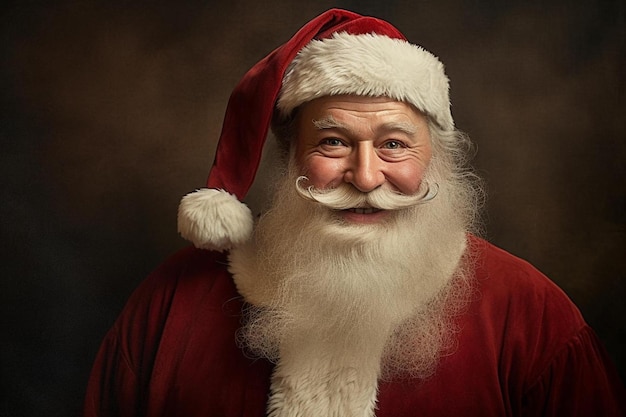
(351, 303)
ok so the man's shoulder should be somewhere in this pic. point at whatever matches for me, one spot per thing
(186, 268)
(502, 271)
(188, 296)
(490, 258)
(192, 260)
(516, 295)
(185, 278)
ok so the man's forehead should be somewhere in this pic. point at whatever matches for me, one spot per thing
(333, 111)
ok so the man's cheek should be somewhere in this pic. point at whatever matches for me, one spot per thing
(322, 172)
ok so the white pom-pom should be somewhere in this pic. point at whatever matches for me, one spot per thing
(214, 219)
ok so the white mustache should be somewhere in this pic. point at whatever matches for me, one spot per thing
(345, 196)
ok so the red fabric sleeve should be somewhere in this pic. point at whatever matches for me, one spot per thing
(120, 377)
(112, 389)
(173, 353)
(580, 381)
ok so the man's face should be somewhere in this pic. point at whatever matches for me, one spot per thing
(367, 142)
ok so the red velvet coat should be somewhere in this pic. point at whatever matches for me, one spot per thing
(523, 350)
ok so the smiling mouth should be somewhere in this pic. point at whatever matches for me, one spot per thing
(362, 210)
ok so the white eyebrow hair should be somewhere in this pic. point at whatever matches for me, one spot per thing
(406, 127)
(329, 122)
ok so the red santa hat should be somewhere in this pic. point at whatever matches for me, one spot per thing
(338, 52)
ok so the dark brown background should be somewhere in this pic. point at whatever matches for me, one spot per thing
(110, 111)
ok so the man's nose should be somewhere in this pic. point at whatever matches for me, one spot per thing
(365, 169)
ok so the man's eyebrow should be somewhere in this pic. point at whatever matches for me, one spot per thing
(404, 127)
(329, 122)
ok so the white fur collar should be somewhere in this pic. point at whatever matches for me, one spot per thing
(320, 389)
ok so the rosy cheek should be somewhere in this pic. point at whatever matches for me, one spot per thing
(408, 179)
(321, 172)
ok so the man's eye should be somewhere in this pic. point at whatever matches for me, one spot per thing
(332, 142)
(393, 144)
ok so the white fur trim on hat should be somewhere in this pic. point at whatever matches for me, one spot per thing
(370, 65)
(214, 219)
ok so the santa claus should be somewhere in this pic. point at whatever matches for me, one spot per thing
(362, 290)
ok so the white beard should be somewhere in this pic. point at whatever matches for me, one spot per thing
(339, 306)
